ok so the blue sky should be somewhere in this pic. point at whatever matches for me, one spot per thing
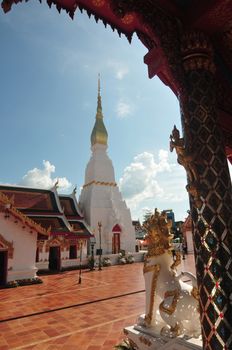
(49, 67)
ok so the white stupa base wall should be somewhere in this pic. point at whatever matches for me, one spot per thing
(105, 204)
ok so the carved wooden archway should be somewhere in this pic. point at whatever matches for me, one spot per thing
(190, 49)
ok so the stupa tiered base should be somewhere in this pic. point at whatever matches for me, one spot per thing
(142, 338)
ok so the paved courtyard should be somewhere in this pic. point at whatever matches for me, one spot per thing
(62, 314)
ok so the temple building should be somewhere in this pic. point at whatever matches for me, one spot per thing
(18, 240)
(58, 231)
(101, 200)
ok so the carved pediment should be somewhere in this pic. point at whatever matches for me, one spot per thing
(6, 245)
(57, 242)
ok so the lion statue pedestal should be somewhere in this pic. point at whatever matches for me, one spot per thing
(141, 338)
(171, 320)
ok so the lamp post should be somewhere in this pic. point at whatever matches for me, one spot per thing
(80, 270)
(92, 243)
(100, 250)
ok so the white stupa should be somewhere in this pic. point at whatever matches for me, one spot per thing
(101, 200)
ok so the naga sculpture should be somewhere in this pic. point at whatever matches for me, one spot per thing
(187, 161)
(171, 304)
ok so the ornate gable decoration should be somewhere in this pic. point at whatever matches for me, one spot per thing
(57, 242)
(5, 245)
(8, 203)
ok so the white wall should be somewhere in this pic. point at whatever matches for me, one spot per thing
(23, 263)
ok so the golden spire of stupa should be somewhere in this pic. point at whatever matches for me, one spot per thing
(99, 133)
(99, 105)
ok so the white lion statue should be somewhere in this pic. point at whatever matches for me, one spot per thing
(172, 306)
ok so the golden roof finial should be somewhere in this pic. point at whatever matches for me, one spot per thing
(99, 133)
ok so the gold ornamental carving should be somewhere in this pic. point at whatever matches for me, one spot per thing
(56, 242)
(40, 245)
(156, 269)
(145, 341)
(133, 344)
(197, 52)
(158, 233)
(187, 161)
(170, 309)
(125, 331)
(6, 245)
(176, 262)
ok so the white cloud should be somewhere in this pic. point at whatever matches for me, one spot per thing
(42, 178)
(123, 109)
(119, 68)
(147, 183)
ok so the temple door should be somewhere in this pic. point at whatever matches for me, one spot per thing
(116, 243)
(54, 258)
(73, 252)
(3, 267)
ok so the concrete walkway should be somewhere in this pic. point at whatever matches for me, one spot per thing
(62, 314)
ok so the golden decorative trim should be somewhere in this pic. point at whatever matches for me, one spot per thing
(145, 341)
(170, 309)
(5, 200)
(172, 332)
(127, 19)
(193, 62)
(177, 261)
(57, 242)
(18, 214)
(133, 344)
(101, 183)
(195, 293)
(176, 329)
(40, 245)
(156, 268)
(98, 3)
(197, 52)
(6, 245)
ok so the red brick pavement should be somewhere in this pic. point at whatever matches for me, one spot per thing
(61, 322)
